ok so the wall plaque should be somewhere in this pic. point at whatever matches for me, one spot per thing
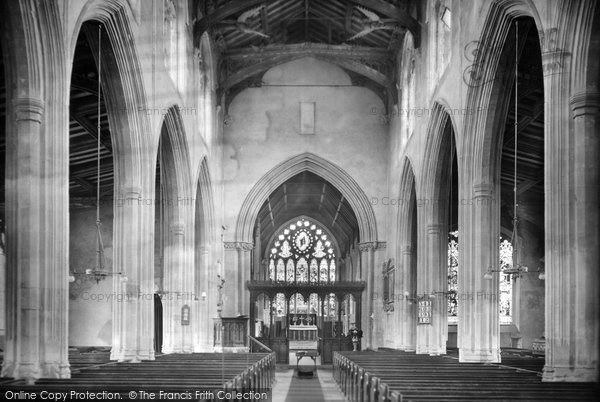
(424, 314)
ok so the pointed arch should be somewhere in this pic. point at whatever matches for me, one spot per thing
(175, 161)
(486, 85)
(124, 91)
(441, 137)
(317, 165)
(407, 196)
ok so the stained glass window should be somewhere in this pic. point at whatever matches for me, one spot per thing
(296, 245)
(301, 270)
(453, 276)
(331, 306)
(506, 284)
(290, 270)
(272, 270)
(506, 262)
(314, 270)
(280, 305)
(323, 271)
(292, 249)
(280, 270)
(332, 271)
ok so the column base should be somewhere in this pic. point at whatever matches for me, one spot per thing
(422, 349)
(21, 371)
(437, 350)
(201, 348)
(479, 356)
(56, 370)
(132, 356)
(570, 374)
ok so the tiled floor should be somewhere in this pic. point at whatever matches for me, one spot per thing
(290, 388)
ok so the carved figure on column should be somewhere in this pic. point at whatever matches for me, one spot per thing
(220, 295)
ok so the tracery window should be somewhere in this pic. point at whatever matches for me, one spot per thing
(302, 253)
(389, 272)
(453, 276)
(506, 283)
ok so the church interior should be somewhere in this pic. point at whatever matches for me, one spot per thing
(368, 200)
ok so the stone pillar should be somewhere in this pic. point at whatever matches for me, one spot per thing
(203, 324)
(176, 337)
(238, 259)
(571, 176)
(585, 107)
(371, 334)
(2, 286)
(245, 265)
(367, 274)
(37, 266)
(479, 325)
(406, 308)
(133, 306)
(438, 272)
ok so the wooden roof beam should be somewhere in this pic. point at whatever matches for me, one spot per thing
(391, 11)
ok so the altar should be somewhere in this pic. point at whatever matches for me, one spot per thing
(302, 327)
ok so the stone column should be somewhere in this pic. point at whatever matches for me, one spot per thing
(561, 330)
(372, 308)
(585, 107)
(202, 325)
(438, 272)
(239, 256)
(36, 266)
(177, 293)
(479, 326)
(404, 307)
(2, 287)
(367, 273)
(133, 306)
(571, 176)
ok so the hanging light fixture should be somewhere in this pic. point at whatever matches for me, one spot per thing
(99, 272)
(517, 270)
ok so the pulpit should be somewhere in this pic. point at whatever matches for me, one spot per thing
(231, 334)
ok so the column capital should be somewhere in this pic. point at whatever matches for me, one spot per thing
(28, 109)
(554, 62)
(482, 190)
(434, 228)
(178, 229)
(372, 245)
(238, 245)
(585, 103)
(131, 192)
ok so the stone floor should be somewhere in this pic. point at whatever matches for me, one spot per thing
(289, 387)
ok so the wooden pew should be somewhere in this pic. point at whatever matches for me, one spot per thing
(395, 375)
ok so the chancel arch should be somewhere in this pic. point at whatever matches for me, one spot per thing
(319, 166)
(304, 233)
